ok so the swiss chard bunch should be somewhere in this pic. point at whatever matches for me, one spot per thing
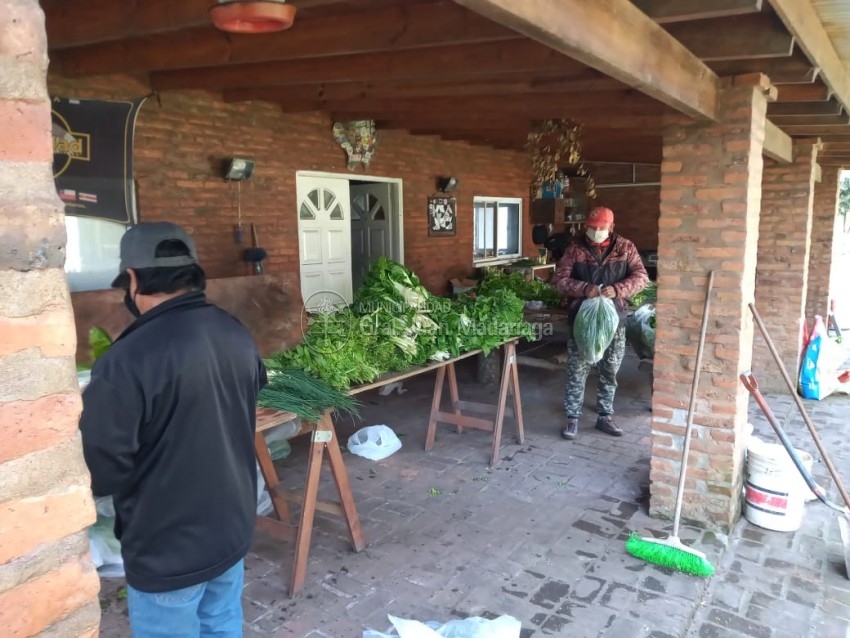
(534, 290)
(493, 318)
(334, 350)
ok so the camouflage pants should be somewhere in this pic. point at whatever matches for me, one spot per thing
(578, 369)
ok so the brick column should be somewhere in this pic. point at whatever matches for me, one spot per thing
(783, 262)
(710, 196)
(824, 210)
(47, 581)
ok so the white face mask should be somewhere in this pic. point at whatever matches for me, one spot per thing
(597, 236)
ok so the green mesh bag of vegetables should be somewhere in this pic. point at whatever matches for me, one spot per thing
(594, 327)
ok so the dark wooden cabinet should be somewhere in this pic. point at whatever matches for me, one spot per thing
(548, 211)
(570, 210)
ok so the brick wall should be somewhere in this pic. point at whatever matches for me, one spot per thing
(636, 210)
(710, 196)
(783, 262)
(635, 207)
(181, 146)
(47, 581)
(824, 210)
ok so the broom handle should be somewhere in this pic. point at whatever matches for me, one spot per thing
(827, 461)
(686, 446)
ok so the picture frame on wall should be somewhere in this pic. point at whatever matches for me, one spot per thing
(442, 216)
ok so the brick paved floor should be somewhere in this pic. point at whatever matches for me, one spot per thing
(541, 536)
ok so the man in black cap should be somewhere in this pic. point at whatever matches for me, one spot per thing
(168, 429)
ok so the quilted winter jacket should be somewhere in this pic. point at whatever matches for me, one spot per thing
(619, 265)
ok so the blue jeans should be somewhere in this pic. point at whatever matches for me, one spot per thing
(210, 609)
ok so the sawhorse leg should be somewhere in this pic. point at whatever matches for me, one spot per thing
(322, 436)
(509, 385)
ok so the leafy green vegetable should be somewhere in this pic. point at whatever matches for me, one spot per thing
(294, 390)
(648, 294)
(395, 323)
(594, 327)
(99, 342)
(534, 290)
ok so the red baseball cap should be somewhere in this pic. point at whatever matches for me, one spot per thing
(600, 215)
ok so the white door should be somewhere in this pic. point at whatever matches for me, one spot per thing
(372, 227)
(324, 241)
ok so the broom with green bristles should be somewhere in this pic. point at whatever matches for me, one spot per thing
(671, 552)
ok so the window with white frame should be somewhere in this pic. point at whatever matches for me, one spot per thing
(498, 228)
(92, 252)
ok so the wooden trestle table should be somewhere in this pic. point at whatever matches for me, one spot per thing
(323, 439)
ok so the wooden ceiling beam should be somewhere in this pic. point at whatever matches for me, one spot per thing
(506, 84)
(801, 19)
(638, 124)
(77, 22)
(777, 144)
(790, 109)
(793, 70)
(612, 36)
(72, 23)
(443, 63)
(671, 11)
(755, 36)
(816, 130)
(803, 93)
(396, 27)
(811, 120)
(618, 103)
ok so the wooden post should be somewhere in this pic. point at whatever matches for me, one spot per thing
(489, 368)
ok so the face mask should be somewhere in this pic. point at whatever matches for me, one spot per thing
(130, 304)
(597, 236)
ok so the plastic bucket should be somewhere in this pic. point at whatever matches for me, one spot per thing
(775, 494)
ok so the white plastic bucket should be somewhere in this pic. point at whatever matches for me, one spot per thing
(775, 493)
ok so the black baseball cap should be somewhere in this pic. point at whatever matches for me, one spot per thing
(139, 243)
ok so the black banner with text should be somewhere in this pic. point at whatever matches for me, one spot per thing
(93, 156)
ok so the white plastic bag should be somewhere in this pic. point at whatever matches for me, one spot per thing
(104, 547)
(475, 627)
(594, 327)
(374, 442)
(264, 500)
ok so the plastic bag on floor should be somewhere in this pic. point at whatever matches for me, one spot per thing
(475, 627)
(594, 327)
(264, 501)
(374, 442)
(104, 547)
(820, 373)
(640, 331)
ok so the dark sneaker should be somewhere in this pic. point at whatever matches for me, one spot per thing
(570, 430)
(604, 423)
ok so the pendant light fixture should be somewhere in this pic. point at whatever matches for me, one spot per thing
(252, 16)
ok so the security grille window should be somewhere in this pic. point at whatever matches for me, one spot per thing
(498, 232)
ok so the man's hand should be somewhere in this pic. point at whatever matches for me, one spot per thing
(591, 291)
(609, 292)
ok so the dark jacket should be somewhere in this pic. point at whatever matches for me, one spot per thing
(168, 428)
(618, 265)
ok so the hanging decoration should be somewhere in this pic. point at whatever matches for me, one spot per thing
(358, 138)
(555, 148)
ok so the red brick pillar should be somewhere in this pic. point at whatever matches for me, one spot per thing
(710, 196)
(47, 581)
(785, 226)
(824, 211)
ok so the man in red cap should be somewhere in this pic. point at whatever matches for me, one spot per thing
(598, 262)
